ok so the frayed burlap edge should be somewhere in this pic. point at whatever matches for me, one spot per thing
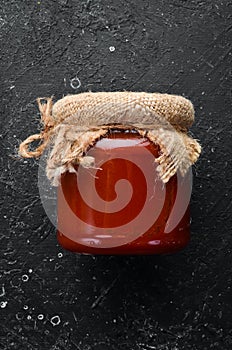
(70, 128)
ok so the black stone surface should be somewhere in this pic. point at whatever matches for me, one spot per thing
(51, 299)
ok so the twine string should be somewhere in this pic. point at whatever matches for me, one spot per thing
(48, 123)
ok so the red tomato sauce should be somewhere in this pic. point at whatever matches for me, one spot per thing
(120, 206)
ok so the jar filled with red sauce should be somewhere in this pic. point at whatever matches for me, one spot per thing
(120, 206)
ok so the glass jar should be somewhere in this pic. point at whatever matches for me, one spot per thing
(120, 206)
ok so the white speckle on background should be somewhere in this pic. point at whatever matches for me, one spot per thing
(3, 304)
(19, 316)
(112, 48)
(25, 278)
(55, 320)
(75, 83)
(3, 292)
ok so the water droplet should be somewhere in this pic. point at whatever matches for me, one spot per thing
(25, 307)
(112, 48)
(25, 278)
(19, 316)
(30, 270)
(29, 317)
(75, 83)
(60, 255)
(40, 317)
(3, 304)
(3, 292)
(55, 320)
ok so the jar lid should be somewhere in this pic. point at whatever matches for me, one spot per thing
(76, 122)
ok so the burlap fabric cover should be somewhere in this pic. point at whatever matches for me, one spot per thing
(76, 122)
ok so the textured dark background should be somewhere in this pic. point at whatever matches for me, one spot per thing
(51, 299)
